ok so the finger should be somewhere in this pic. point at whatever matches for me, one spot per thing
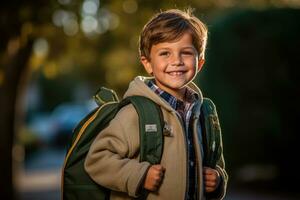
(161, 174)
(157, 178)
(156, 183)
(209, 189)
(208, 170)
(210, 184)
(210, 177)
(158, 174)
(158, 167)
(153, 188)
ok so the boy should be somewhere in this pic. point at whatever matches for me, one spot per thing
(172, 46)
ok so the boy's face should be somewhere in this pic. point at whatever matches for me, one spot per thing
(173, 64)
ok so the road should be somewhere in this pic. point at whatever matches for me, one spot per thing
(40, 178)
(46, 185)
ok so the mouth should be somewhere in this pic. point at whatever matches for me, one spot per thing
(176, 73)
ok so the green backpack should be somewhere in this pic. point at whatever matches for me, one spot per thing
(76, 183)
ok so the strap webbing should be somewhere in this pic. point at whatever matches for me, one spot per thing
(151, 129)
(211, 133)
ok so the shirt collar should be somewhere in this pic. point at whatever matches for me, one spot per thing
(190, 95)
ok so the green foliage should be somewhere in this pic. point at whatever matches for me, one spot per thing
(251, 73)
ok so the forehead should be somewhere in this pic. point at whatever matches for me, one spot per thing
(184, 41)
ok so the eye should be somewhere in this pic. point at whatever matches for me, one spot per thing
(188, 53)
(164, 53)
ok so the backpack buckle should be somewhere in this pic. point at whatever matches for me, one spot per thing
(167, 130)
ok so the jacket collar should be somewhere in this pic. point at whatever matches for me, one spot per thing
(139, 87)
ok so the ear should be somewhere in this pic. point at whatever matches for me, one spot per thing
(147, 65)
(200, 64)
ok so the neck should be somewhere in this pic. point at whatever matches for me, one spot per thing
(178, 94)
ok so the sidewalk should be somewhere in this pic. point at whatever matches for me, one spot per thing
(46, 185)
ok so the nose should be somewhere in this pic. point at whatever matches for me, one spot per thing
(177, 60)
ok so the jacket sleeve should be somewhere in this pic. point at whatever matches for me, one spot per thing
(220, 192)
(111, 161)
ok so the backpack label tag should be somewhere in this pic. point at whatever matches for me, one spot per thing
(151, 128)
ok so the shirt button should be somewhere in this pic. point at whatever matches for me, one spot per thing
(192, 163)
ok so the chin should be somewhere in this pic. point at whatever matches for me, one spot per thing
(178, 87)
(180, 84)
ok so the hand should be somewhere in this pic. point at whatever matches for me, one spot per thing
(211, 179)
(154, 177)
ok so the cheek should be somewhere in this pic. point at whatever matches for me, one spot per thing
(192, 63)
(159, 64)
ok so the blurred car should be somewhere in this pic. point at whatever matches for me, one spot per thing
(56, 128)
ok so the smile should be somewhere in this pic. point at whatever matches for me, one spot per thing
(177, 73)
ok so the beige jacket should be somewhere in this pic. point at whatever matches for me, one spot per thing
(113, 159)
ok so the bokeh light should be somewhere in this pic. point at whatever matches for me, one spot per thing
(90, 7)
(130, 6)
(40, 47)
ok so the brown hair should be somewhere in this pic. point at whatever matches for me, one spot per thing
(169, 26)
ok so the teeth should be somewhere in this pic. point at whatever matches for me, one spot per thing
(175, 73)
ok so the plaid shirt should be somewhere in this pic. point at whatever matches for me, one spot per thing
(184, 112)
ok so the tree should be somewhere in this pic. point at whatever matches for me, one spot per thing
(251, 72)
(15, 48)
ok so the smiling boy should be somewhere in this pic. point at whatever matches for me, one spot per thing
(173, 64)
(172, 46)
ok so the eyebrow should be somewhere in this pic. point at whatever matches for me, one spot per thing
(189, 47)
(166, 48)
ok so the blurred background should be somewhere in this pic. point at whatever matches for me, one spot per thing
(55, 54)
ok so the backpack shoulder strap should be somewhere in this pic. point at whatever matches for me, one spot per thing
(211, 133)
(151, 128)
